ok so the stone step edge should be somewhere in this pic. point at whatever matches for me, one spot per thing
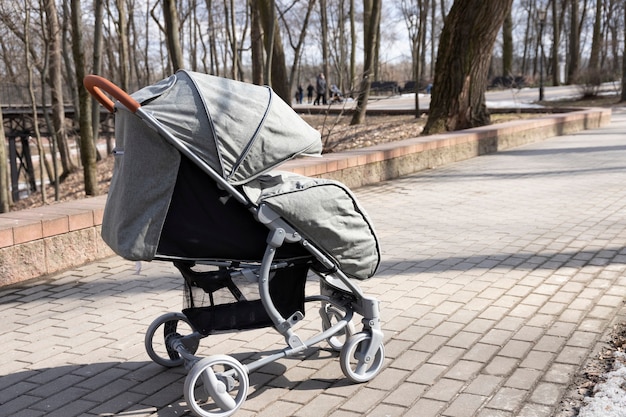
(49, 239)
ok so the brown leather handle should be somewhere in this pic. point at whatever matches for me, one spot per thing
(97, 86)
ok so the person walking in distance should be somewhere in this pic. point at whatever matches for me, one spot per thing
(321, 90)
(309, 93)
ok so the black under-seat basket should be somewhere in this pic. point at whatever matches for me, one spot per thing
(214, 302)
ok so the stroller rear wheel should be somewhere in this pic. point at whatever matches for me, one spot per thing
(354, 361)
(175, 326)
(216, 386)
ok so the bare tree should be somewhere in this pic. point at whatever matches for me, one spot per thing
(465, 46)
(56, 88)
(558, 22)
(353, 77)
(574, 42)
(324, 32)
(5, 195)
(275, 55)
(122, 33)
(256, 43)
(576, 20)
(172, 34)
(298, 43)
(33, 102)
(87, 147)
(219, 37)
(97, 67)
(232, 37)
(339, 42)
(623, 97)
(214, 67)
(415, 13)
(507, 46)
(371, 21)
(66, 54)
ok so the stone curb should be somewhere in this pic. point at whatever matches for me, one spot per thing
(49, 239)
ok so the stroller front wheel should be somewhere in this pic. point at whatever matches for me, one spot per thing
(355, 363)
(216, 386)
(162, 351)
(331, 315)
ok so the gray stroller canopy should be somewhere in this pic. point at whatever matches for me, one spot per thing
(240, 130)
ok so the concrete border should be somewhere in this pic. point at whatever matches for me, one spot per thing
(47, 240)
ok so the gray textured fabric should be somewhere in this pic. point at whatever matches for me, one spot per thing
(143, 180)
(240, 130)
(326, 213)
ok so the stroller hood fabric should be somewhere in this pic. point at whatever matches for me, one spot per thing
(239, 130)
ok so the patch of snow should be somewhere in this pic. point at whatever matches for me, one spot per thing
(609, 398)
(503, 104)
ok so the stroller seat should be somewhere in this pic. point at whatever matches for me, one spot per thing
(204, 221)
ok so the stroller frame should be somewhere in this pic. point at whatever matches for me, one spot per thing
(220, 378)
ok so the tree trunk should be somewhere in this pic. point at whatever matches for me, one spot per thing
(5, 195)
(297, 53)
(97, 67)
(33, 107)
(213, 63)
(87, 148)
(352, 49)
(342, 48)
(231, 34)
(274, 50)
(325, 52)
(415, 14)
(280, 78)
(574, 44)
(556, 40)
(465, 47)
(122, 33)
(596, 41)
(256, 43)
(56, 89)
(624, 61)
(371, 20)
(507, 46)
(66, 53)
(172, 35)
(267, 13)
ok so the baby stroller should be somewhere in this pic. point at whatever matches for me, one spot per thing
(193, 185)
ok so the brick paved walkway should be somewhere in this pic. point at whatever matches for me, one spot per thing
(500, 276)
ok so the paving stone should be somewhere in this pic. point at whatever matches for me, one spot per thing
(538, 360)
(465, 405)
(364, 400)
(496, 337)
(481, 352)
(523, 378)
(508, 399)
(547, 393)
(425, 407)
(444, 390)
(405, 394)
(427, 374)
(501, 366)
(280, 408)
